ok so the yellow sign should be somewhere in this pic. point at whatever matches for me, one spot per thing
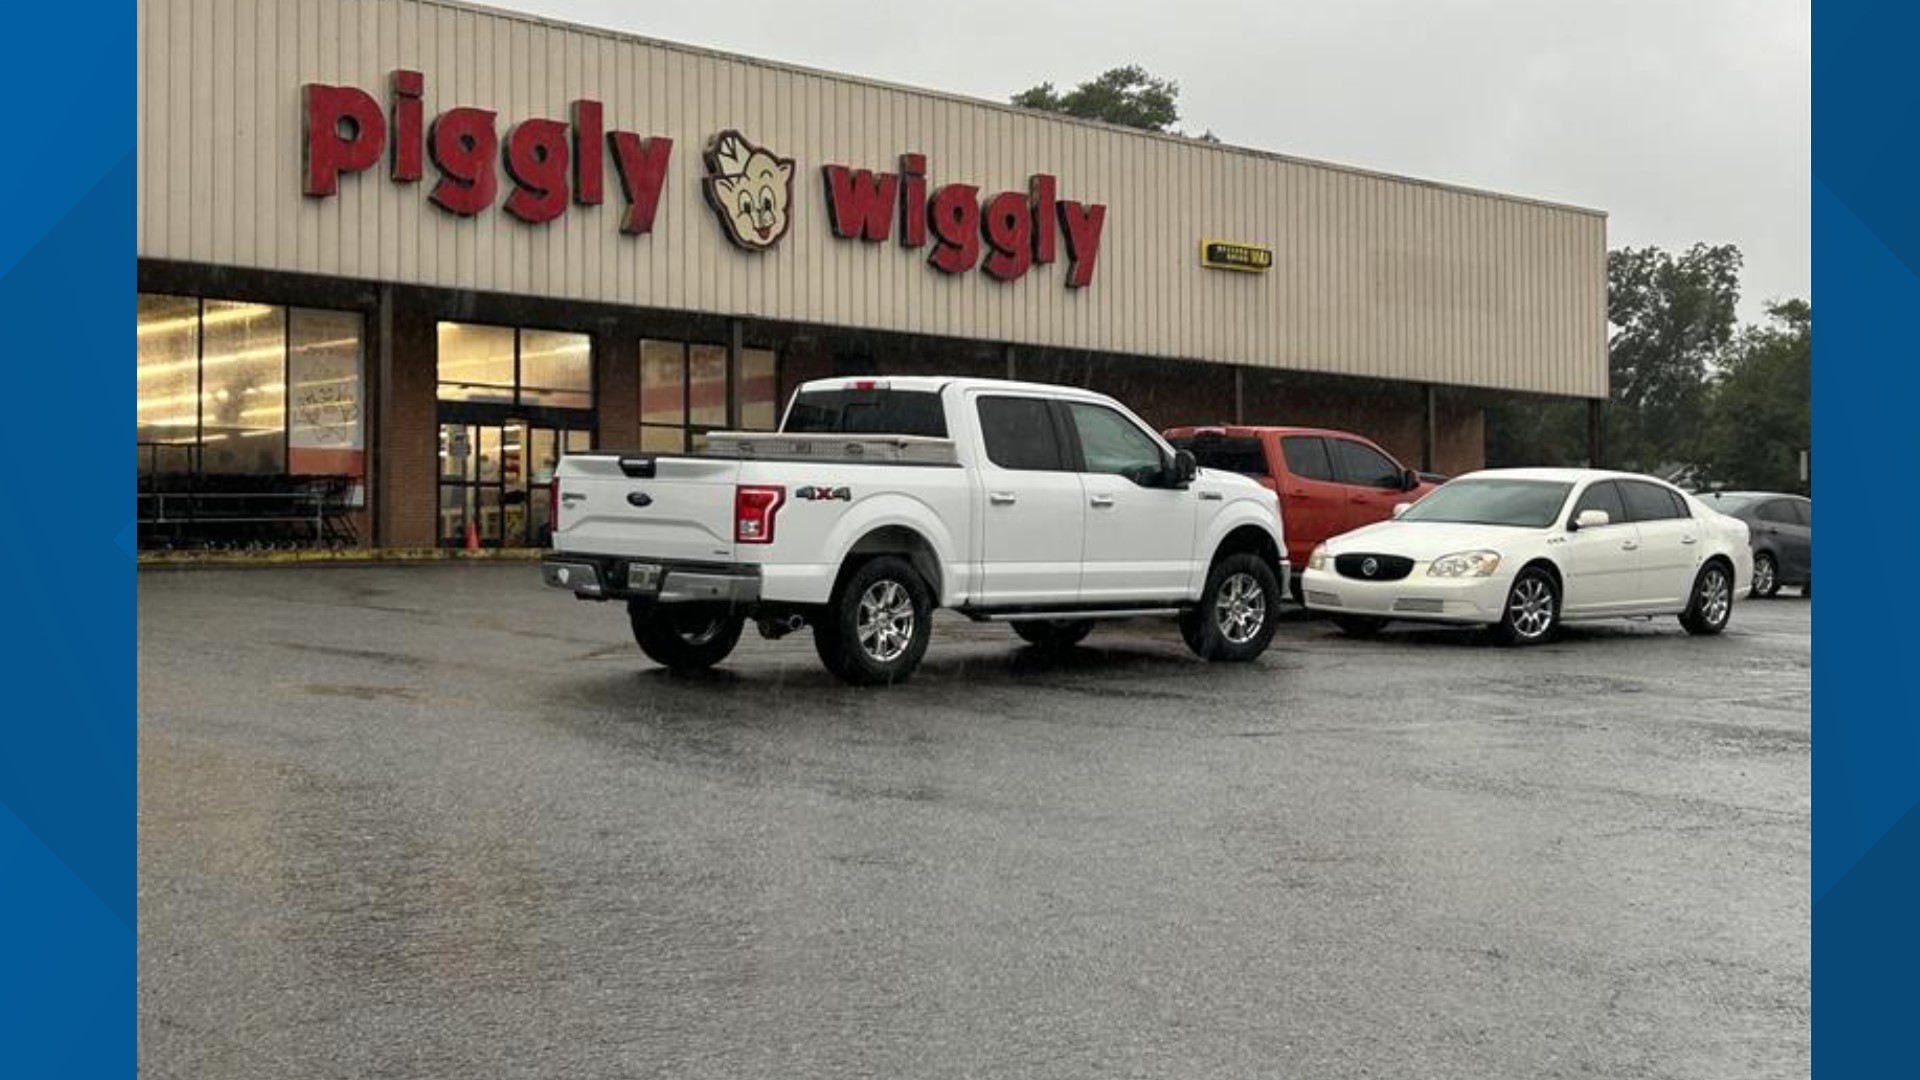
(1223, 255)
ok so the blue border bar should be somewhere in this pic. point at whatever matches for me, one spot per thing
(1866, 762)
(67, 738)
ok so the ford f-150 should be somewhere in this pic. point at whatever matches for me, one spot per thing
(880, 500)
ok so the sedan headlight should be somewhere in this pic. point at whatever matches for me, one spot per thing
(1318, 560)
(1465, 564)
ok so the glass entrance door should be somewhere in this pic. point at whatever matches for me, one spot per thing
(494, 479)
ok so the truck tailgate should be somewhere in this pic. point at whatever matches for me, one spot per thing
(646, 506)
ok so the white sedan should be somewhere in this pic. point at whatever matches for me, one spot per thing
(1522, 550)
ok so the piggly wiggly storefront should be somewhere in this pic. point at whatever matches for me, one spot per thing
(397, 256)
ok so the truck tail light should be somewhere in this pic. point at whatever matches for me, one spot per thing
(753, 510)
(553, 506)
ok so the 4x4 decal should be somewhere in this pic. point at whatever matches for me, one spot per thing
(815, 494)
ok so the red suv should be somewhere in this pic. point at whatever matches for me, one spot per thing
(1329, 482)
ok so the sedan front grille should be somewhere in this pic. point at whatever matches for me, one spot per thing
(1373, 567)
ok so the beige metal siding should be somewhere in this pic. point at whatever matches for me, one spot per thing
(1373, 275)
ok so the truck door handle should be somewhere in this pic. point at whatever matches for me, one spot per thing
(1101, 500)
(1630, 546)
(1001, 498)
(1689, 539)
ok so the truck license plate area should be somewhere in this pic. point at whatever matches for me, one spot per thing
(643, 577)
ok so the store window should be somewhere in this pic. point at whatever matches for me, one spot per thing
(502, 365)
(323, 392)
(685, 393)
(232, 388)
(249, 422)
(167, 410)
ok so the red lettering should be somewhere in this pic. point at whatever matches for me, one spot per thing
(1007, 223)
(537, 162)
(913, 200)
(956, 228)
(589, 153)
(408, 86)
(345, 134)
(1082, 224)
(463, 144)
(1040, 188)
(642, 167)
(860, 203)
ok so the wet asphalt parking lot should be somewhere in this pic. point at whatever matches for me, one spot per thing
(440, 822)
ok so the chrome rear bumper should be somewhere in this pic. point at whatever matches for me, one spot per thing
(606, 577)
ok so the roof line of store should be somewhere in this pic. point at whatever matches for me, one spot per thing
(963, 99)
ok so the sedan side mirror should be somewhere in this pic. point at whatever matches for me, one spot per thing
(1401, 508)
(1591, 519)
(1185, 468)
(1409, 480)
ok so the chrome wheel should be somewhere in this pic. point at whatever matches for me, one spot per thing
(1240, 609)
(885, 621)
(1716, 596)
(1530, 607)
(1763, 576)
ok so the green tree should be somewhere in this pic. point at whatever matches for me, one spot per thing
(1672, 317)
(1760, 412)
(1127, 96)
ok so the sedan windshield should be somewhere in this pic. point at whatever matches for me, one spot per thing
(1522, 504)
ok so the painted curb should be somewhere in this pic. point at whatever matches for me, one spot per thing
(228, 560)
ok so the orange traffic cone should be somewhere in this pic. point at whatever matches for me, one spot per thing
(473, 537)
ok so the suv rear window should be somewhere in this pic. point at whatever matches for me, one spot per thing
(867, 412)
(1227, 453)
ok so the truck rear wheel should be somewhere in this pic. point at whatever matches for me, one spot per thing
(878, 625)
(685, 637)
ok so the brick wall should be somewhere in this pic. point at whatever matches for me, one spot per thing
(1460, 438)
(616, 388)
(406, 485)
(1173, 393)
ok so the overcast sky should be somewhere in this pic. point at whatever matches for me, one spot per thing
(1686, 121)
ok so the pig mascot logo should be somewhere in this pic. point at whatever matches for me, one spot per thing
(750, 189)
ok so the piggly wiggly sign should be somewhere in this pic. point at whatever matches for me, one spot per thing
(552, 164)
(1015, 230)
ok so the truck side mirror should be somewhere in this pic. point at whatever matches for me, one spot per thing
(1185, 468)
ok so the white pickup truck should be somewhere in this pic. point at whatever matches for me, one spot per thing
(879, 500)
